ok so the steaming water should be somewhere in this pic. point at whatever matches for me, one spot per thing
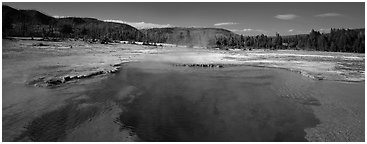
(159, 102)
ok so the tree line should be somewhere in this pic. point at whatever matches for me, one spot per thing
(338, 40)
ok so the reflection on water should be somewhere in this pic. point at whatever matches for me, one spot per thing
(164, 103)
(234, 104)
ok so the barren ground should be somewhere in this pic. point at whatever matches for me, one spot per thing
(31, 63)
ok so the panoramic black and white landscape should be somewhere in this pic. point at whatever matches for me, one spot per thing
(183, 72)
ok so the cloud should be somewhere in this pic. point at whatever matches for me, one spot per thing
(328, 15)
(243, 30)
(247, 30)
(286, 16)
(234, 30)
(291, 30)
(225, 23)
(141, 25)
(56, 16)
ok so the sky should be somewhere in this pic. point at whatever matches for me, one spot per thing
(247, 18)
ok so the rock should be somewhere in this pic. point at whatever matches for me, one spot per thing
(117, 65)
(67, 78)
(199, 65)
(53, 82)
(318, 77)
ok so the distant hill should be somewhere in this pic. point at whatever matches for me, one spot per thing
(187, 36)
(97, 29)
(34, 23)
(30, 16)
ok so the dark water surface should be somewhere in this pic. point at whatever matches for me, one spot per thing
(160, 102)
(231, 104)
